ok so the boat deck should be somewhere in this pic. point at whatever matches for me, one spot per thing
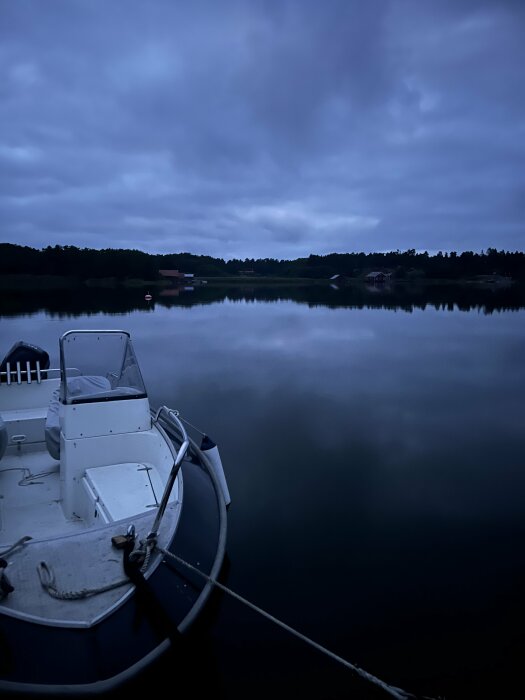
(79, 560)
(31, 506)
(81, 556)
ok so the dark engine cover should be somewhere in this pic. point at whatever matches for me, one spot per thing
(25, 352)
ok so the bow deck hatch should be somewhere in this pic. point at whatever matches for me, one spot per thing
(118, 491)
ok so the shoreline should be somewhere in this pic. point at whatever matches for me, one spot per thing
(22, 282)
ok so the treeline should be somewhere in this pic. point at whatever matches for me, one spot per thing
(87, 263)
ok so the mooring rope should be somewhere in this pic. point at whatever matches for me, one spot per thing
(184, 420)
(397, 693)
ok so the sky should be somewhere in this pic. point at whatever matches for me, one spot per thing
(275, 128)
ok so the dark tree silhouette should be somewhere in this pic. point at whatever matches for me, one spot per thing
(121, 264)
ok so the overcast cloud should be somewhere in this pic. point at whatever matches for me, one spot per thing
(263, 129)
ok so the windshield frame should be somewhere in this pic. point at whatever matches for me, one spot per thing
(112, 393)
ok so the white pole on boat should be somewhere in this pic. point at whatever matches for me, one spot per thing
(173, 473)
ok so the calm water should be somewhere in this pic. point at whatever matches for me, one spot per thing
(374, 449)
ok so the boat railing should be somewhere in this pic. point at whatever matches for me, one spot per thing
(171, 418)
(26, 373)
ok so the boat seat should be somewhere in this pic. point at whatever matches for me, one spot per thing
(87, 385)
(3, 437)
(77, 386)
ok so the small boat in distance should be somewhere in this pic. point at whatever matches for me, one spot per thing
(102, 499)
(148, 297)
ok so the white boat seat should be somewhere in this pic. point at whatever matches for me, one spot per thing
(76, 386)
(3, 437)
(86, 385)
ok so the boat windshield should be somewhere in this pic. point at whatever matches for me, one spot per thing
(98, 366)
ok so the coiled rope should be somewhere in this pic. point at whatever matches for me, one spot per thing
(47, 577)
(394, 692)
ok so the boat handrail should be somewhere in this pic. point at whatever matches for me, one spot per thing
(24, 372)
(94, 331)
(171, 416)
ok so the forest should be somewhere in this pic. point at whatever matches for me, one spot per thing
(122, 264)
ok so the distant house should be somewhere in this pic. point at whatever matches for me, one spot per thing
(177, 277)
(246, 273)
(338, 280)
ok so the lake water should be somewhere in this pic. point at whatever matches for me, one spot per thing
(374, 447)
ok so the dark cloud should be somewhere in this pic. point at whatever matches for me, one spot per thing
(263, 129)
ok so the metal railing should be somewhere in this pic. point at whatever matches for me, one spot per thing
(26, 372)
(172, 417)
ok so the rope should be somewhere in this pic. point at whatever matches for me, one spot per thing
(28, 479)
(16, 545)
(47, 579)
(149, 546)
(190, 424)
(394, 692)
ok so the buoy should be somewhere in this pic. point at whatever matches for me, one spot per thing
(211, 451)
(148, 297)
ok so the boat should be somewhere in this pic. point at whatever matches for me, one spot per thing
(148, 297)
(112, 519)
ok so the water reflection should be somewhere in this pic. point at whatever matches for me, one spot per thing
(405, 297)
(375, 461)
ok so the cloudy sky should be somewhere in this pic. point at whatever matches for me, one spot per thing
(273, 128)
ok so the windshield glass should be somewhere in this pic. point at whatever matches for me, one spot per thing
(98, 366)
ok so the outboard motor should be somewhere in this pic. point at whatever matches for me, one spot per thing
(22, 353)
